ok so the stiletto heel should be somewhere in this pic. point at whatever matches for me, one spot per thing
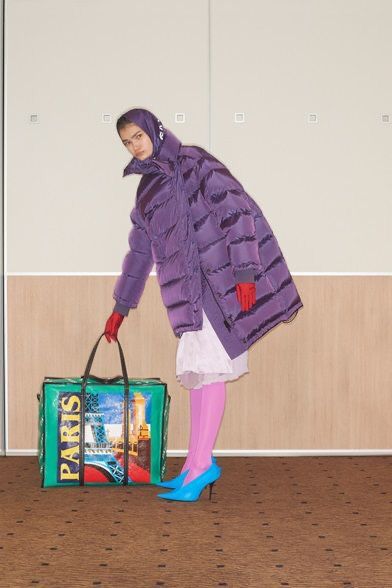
(191, 491)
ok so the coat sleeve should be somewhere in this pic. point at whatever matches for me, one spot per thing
(230, 204)
(136, 267)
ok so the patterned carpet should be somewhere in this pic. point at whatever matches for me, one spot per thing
(272, 522)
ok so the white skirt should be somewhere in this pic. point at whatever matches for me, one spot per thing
(202, 359)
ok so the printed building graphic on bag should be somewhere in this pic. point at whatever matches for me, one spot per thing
(104, 437)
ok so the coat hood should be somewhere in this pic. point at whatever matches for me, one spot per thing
(166, 145)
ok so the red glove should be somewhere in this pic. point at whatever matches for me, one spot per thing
(246, 294)
(112, 325)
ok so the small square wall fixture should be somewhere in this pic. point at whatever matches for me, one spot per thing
(312, 117)
(385, 118)
(106, 118)
(179, 117)
(239, 117)
(34, 118)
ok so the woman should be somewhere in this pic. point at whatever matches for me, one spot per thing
(223, 278)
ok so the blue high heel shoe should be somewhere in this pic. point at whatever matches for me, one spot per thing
(178, 480)
(190, 492)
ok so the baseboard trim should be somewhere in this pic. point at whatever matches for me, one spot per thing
(246, 452)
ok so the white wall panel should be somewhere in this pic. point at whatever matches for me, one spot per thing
(326, 187)
(68, 205)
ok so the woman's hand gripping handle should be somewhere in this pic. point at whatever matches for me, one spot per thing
(112, 325)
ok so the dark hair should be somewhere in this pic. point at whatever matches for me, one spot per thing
(122, 122)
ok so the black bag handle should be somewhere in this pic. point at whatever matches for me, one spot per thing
(91, 359)
(126, 409)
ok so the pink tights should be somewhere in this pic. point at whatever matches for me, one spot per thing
(207, 405)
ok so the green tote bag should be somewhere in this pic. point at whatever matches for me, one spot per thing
(102, 431)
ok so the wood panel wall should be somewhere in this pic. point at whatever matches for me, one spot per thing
(322, 381)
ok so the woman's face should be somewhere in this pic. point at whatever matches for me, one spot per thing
(136, 141)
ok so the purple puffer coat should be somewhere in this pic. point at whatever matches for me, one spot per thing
(234, 243)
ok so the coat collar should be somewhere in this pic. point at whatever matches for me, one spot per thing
(165, 160)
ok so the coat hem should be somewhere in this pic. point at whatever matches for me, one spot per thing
(230, 341)
(283, 318)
